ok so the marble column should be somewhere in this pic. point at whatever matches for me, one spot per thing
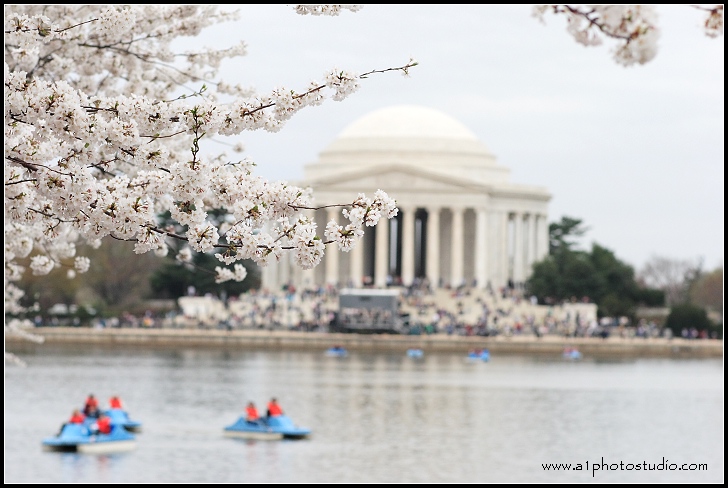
(381, 254)
(517, 247)
(543, 238)
(284, 270)
(356, 264)
(505, 251)
(456, 263)
(499, 248)
(481, 247)
(532, 238)
(433, 246)
(296, 273)
(408, 245)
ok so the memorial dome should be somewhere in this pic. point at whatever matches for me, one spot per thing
(408, 135)
(407, 121)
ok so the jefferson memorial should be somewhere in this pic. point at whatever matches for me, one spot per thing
(460, 221)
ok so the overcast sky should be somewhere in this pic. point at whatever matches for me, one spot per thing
(637, 153)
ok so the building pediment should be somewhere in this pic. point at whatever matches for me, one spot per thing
(395, 179)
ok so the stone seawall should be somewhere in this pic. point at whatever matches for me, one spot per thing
(291, 340)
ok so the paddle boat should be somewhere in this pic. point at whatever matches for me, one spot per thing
(478, 355)
(415, 353)
(80, 438)
(266, 428)
(571, 353)
(337, 351)
(120, 417)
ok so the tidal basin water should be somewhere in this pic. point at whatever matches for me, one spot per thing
(375, 417)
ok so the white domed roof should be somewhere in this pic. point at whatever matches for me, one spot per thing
(408, 135)
(407, 121)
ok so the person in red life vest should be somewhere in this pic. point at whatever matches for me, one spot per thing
(77, 417)
(103, 424)
(91, 408)
(251, 413)
(274, 409)
(115, 402)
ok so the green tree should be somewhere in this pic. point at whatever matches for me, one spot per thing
(650, 297)
(563, 235)
(567, 273)
(689, 316)
(172, 279)
(545, 281)
(580, 278)
(613, 305)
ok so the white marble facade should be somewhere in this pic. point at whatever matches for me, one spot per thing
(460, 219)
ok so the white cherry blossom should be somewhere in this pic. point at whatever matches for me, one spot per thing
(634, 28)
(82, 264)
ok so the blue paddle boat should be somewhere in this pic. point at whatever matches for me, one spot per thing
(337, 351)
(121, 417)
(80, 438)
(266, 428)
(118, 416)
(415, 353)
(479, 355)
(571, 353)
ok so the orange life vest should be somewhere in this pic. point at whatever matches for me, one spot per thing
(274, 409)
(104, 425)
(77, 419)
(252, 413)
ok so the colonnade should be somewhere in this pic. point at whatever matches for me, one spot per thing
(447, 245)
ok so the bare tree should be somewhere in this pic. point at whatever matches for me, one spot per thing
(673, 276)
(708, 291)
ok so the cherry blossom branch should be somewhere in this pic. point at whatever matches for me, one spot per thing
(634, 26)
(713, 23)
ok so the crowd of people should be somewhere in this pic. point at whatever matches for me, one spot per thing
(461, 311)
(464, 310)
